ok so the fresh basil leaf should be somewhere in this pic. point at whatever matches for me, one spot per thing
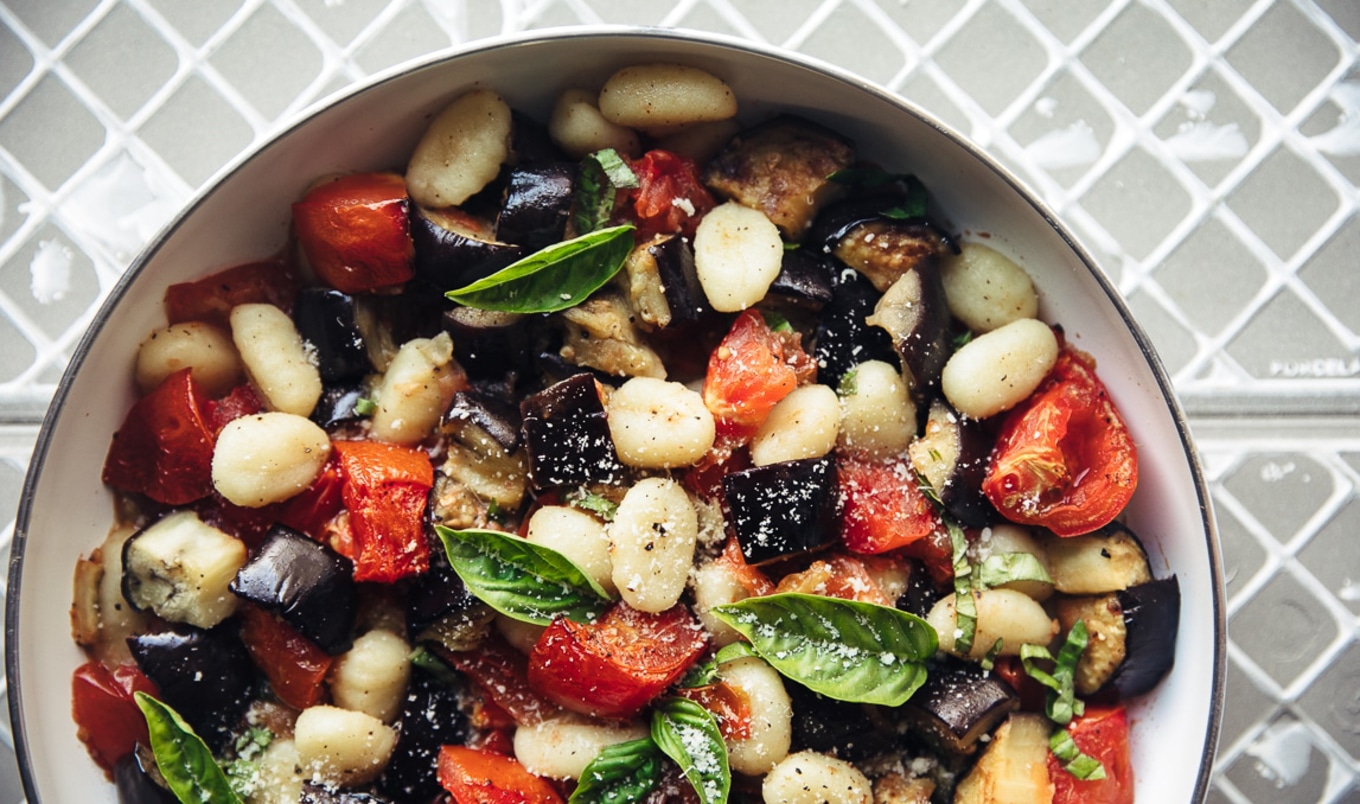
(597, 504)
(776, 321)
(688, 734)
(182, 757)
(426, 660)
(1082, 766)
(615, 169)
(733, 651)
(554, 278)
(522, 580)
(1003, 568)
(595, 197)
(844, 649)
(913, 206)
(965, 605)
(623, 773)
(1061, 704)
(700, 674)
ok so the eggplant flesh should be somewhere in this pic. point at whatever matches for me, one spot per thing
(310, 586)
(783, 509)
(537, 205)
(327, 319)
(205, 676)
(844, 340)
(566, 434)
(958, 704)
(914, 313)
(475, 416)
(1151, 621)
(313, 793)
(953, 456)
(662, 284)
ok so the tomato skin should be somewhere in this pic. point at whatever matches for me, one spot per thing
(294, 665)
(212, 297)
(845, 577)
(1103, 733)
(355, 232)
(751, 579)
(474, 776)
(613, 667)
(106, 716)
(164, 447)
(502, 674)
(730, 705)
(883, 507)
(669, 198)
(1064, 459)
(748, 374)
(385, 489)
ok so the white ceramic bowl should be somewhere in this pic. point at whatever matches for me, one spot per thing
(66, 511)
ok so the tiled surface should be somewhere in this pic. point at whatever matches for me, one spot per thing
(1207, 152)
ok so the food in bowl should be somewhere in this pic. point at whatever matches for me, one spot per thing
(705, 462)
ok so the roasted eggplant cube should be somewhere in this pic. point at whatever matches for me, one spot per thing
(567, 436)
(782, 168)
(884, 249)
(327, 320)
(339, 404)
(135, 785)
(958, 704)
(313, 793)
(436, 594)
(453, 249)
(1108, 560)
(430, 717)
(310, 586)
(850, 731)
(804, 280)
(1152, 613)
(844, 340)
(489, 344)
(537, 205)
(475, 418)
(783, 509)
(205, 676)
(916, 317)
(952, 457)
(663, 287)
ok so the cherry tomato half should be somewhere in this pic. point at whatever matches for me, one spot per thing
(164, 447)
(1064, 459)
(1102, 733)
(106, 716)
(474, 776)
(748, 374)
(616, 665)
(502, 674)
(883, 507)
(356, 233)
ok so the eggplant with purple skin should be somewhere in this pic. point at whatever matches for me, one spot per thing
(662, 284)
(566, 433)
(844, 340)
(313, 793)
(327, 320)
(135, 784)
(959, 703)
(849, 731)
(453, 248)
(916, 317)
(431, 717)
(1132, 632)
(310, 586)
(474, 417)
(804, 280)
(489, 344)
(952, 456)
(783, 509)
(205, 676)
(339, 404)
(537, 205)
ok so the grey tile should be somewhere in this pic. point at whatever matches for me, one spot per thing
(702, 17)
(15, 61)
(1332, 276)
(630, 12)
(269, 61)
(1345, 13)
(922, 90)
(196, 131)
(1138, 57)
(1285, 340)
(411, 33)
(483, 20)
(1283, 766)
(558, 13)
(1281, 490)
(1284, 226)
(1211, 276)
(993, 58)
(1174, 343)
(1243, 555)
(1138, 201)
(51, 280)
(1300, 627)
(1065, 131)
(51, 133)
(1211, 19)
(50, 20)
(849, 39)
(1334, 128)
(18, 354)
(1352, 459)
(1249, 706)
(123, 61)
(11, 486)
(922, 21)
(196, 20)
(775, 22)
(1210, 129)
(1066, 20)
(1284, 55)
(343, 22)
(12, 204)
(1333, 556)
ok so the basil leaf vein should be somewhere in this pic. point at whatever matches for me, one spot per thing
(554, 278)
(688, 734)
(520, 579)
(182, 756)
(623, 773)
(844, 649)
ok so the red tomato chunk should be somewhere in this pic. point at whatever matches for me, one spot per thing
(385, 489)
(109, 722)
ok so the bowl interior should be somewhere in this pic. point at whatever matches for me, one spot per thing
(66, 511)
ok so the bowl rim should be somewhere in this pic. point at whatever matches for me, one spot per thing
(53, 415)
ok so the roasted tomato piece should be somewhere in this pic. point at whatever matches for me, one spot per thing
(751, 579)
(107, 718)
(1103, 734)
(474, 776)
(385, 489)
(212, 297)
(502, 674)
(616, 665)
(669, 198)
(356, 233)
(750, 371)
(845, 577)
(1064, 459)
(730, 705)
(294, 665)
(164, 447)
(243, 400)
(883, 507)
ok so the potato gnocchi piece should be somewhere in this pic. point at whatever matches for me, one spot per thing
(461, 150)
(652, 96)
(878, 416)
(771, 716)
(715, 584)
(268, 458)
(579, 129)
(578, 536)
(808, 777)
(996, 371)
(1003, 615)
(202, 348)
(804, 424)
(562, 747)
(275, 358)
(341, 747)
(651, 544)
(416, 389)
(737, 255)
(371, 676)
(985, 289)
(279, 778)
(659, 425)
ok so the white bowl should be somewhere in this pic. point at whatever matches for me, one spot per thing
(66, 511)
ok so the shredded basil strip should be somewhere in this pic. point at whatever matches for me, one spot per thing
(601, 176)
(426, 660)
(182, 756)
(365, 407)
(1061, 704)
(913, 206)
(849, 384)
(1003, 568)
(776, 321)
(1082, 766)
(554, 278)
(601, 506)
(623, 773)
(615, 168)
(522, 580)
(965, 606)
(688, 734)
(844, 649)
